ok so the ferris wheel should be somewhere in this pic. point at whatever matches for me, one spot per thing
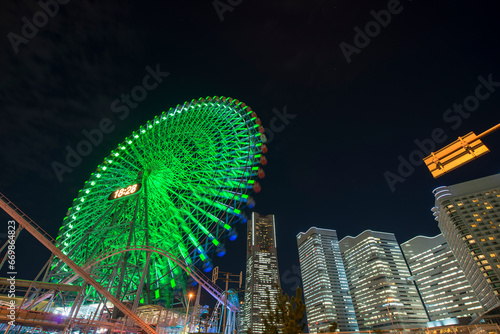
(178, 184)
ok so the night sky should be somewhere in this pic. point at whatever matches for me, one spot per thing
(339, 124)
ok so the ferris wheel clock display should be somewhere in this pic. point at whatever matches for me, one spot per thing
(130, 190)
(179, 183)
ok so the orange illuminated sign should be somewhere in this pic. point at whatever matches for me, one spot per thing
(127, 191)
(456, 154)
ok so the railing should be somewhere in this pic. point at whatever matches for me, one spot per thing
(48, 242)
(7, 205)
(463, 329)
(32, 318)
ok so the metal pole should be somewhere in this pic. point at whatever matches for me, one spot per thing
(197, 308)
(88, 322)
(187, 312)
(225, 304)
(75, 307)
(487, 132)
(123, 324)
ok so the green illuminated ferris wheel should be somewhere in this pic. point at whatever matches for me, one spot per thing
(177, 184)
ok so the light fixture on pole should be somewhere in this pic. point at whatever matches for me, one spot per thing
(458, 153)
(187, 312)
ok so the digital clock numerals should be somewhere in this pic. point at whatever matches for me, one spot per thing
(132, 189)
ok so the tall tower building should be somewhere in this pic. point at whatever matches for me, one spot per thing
(468, 217)
(383, 294)
(326, 291)
(262, 273)
(441, 282)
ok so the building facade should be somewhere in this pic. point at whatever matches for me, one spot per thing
(445, 291)
(324, 281)
(468, 217)
(262, 275)
(383, 293)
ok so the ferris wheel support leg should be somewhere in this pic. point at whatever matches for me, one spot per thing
(141, 284)
(125, 259)
(84, 238)
(75, 308)
(29, 288)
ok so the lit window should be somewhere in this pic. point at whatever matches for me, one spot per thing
(473, 225)
(468, 236)
(493, 255)
(460, 203)
(487, 267)
(478, 219)
(472, 241)
(475, 200)
(481, 256)
(491, 238)
(475, 215)
(483, 239)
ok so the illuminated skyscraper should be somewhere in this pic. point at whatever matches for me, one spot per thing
(445, 291)
(326, 291)
(262, 273)
(468, 215)
(383, 294)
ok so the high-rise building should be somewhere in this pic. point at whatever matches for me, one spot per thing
(262, 275)
(445, 291)
(383, 294)
(468, 217)
(326, 291)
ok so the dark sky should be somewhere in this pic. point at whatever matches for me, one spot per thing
(348, 122)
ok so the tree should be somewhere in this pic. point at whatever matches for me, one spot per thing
(288, 315)
(332, 327)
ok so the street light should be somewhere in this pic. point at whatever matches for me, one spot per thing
(458, 153)
(187, 312)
